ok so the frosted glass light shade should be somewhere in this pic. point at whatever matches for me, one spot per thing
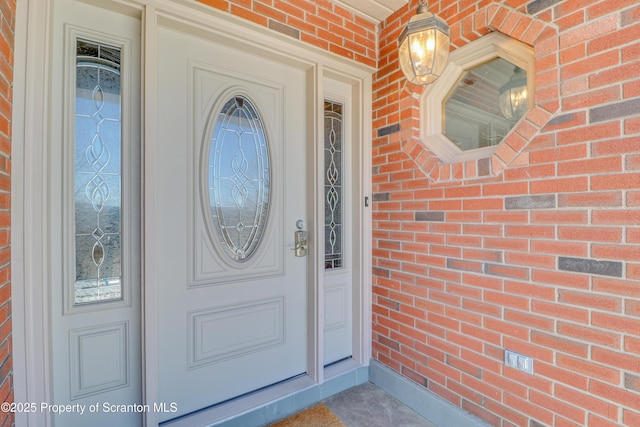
(424, 47)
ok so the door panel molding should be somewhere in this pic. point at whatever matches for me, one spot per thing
(262, 318)
(92, 371)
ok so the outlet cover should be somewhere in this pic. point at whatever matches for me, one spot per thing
(518, 361)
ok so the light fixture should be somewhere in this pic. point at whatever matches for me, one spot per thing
(513, 95)
(424, 47)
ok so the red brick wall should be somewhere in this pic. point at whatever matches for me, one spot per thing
(7, 26)
(320, 23)
(536, 249)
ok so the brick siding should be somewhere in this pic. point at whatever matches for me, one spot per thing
(536, 249)
(323, 24)
(7, 26)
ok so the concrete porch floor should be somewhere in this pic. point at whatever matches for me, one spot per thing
(367, 405)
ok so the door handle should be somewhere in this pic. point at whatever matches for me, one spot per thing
(300, 240)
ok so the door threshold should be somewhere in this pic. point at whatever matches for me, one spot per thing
(278, 401)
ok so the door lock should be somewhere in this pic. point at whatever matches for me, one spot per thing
(300, 240)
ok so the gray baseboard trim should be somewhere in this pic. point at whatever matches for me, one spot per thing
(432, 407)
(340, 377)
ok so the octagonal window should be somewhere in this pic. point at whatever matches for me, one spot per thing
(487, 102)
(484, 91)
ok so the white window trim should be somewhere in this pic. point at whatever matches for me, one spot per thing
(491, 46)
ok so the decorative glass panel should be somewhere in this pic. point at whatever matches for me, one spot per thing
(333, 185)
(239, 179)
(97, 180)
(485, 104)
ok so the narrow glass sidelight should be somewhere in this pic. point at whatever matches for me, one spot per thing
(333, 186)
(98, 173)
(239, 179)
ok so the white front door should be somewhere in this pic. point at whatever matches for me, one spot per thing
(230, 192)
(231, 164)
(94, 217)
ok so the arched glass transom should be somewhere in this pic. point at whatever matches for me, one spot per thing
(239, 179)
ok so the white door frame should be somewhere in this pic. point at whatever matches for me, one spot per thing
(29, 234)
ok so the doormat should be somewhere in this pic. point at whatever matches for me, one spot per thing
(316, 416)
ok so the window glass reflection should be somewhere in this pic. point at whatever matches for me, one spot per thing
(97, 179)
(239, 179)
(486, 104)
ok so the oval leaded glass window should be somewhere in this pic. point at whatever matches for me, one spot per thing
(239, 178)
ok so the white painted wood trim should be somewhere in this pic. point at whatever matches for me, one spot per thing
(29, 239)
(149, 291)
(363, 289)
(315, 298)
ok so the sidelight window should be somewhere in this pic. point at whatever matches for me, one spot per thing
(333, 184)
(98, 173)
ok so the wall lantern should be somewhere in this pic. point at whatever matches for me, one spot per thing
(513, 95)
(424, 47)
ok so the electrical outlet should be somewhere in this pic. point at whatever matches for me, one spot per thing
(518, 361)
